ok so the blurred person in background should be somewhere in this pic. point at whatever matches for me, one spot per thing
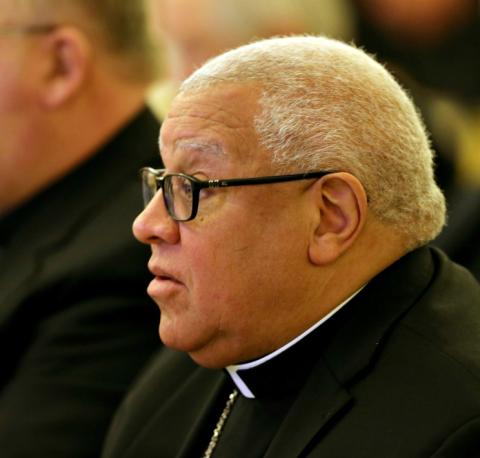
(435, 40)
(193, 31)
(75, 322)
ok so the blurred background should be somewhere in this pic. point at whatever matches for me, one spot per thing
(431, 46)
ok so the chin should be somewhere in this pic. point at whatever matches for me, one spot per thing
(208, 361)
(207, 349)
(213, 356)
(184, 342)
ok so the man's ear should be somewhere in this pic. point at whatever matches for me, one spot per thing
(68, 58)
(341, 206)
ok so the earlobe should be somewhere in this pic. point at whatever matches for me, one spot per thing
(68, 52)
(341, 205)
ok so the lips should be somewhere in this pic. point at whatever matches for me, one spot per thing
(166, 277)
(165, 283)
(163, 273)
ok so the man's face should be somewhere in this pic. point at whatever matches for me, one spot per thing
(17, 103)
(228, 283)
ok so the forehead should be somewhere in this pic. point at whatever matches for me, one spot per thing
(218, 120)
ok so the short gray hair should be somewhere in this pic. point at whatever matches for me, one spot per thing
(123, 25)
(329, 105)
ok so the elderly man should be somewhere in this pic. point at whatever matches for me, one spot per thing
(75, 321)
(288, 248)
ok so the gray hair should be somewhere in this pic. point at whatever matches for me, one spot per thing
(123, 27)
(328, 105)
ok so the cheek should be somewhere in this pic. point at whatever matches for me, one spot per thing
(17, 108)
(213, 268)
(219, 278)
(12, 94)
(8, 99)
(17, 134)
(241, 268)
(231, 272)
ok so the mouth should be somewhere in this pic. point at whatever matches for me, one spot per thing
(163, 285)
(162, 273)
(166, 277)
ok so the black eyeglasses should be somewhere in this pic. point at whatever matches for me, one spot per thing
(181, 192)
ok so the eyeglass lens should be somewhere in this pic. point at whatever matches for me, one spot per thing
(179, 196)
(149, 186)
(177, 193)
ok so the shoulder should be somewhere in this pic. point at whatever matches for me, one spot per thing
(447, 316)
(421, 386)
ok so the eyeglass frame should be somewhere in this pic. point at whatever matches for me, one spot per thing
(198, 185)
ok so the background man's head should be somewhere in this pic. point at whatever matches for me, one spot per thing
(70, 73)
(193, 31)
(117, 27)
(196, 30)
(260, 264)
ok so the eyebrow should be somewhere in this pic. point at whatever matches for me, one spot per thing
(195, 144)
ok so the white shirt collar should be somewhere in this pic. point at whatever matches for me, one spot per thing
(233, 369)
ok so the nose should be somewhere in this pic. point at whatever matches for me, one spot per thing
(154, 225)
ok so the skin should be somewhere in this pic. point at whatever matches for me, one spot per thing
(193, 31)
(255, 268)
(16, 102)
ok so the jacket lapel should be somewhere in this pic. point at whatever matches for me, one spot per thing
(179, 422)
(213, 391)
(362, 329)
(321, 399)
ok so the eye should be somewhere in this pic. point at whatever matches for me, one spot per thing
(183, 188)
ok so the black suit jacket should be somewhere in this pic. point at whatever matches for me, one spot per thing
(397, 375)
(76, 324)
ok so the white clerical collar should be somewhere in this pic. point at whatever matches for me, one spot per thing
(233, 369)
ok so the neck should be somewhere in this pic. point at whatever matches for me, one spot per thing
(376, 248)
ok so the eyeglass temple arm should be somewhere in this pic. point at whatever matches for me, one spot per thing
(264, 180)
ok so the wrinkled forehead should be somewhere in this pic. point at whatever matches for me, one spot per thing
(217, 122)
